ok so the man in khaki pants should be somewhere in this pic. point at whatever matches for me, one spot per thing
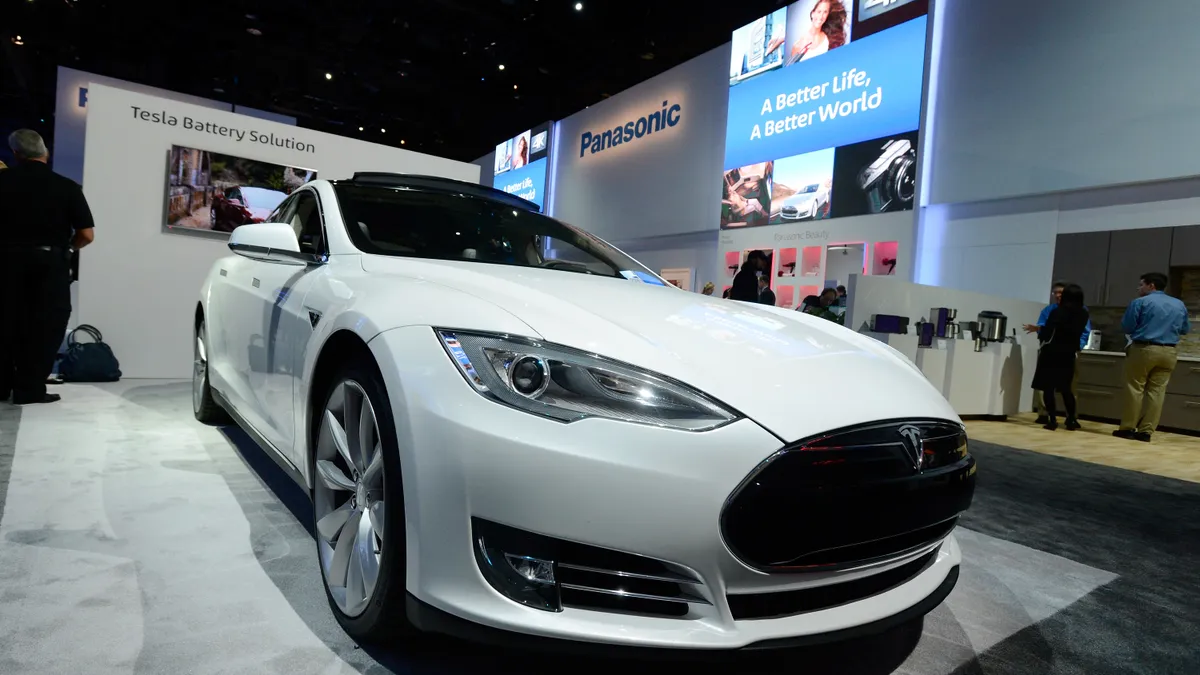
(1153, 322)
(1056, 291)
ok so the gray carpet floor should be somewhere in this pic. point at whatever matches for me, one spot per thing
(134, 540)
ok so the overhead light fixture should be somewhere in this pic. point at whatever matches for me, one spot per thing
(514, 86)
(18, 41)
(360, 128)
(383, 131)
(254, 31)
(401, 141)
(501, 66)
(329, 76)
(579, 7)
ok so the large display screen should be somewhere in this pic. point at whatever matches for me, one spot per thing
(824, 107)
(522, 163)
(209, 191)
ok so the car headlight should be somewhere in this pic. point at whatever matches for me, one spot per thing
(569, 385)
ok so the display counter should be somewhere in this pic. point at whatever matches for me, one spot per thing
(1101, 390)
(994, 381)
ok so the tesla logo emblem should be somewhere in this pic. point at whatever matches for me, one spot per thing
(314, 318)
(914, 446)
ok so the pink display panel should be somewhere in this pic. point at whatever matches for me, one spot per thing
(883, 258)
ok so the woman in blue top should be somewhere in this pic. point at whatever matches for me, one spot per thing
(1060, 338)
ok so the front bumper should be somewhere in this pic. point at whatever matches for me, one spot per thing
(635, 489)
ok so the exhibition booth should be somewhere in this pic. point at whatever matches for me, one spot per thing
(167, 181)
(886, 147)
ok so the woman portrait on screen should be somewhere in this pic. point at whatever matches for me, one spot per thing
(521, 152)
(824, 30)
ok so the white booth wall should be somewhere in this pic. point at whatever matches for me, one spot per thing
(70, 114)
(70, 124)
(657, 197)
(1039, 126)
(138, 283)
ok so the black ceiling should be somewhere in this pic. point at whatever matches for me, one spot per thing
(426, 71)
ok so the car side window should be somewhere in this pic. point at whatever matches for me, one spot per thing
(305, 220)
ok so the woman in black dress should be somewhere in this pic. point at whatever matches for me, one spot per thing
(1056, 360)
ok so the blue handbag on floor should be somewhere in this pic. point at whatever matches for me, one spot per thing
(89, 361)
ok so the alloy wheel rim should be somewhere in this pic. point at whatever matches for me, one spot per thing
(199, 370)
(349, 498)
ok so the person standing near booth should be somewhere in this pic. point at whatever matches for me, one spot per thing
(745, 282)
(1153, 321)
(43, 216)
(1056, 291)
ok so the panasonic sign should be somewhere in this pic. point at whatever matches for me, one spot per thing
(659, 120)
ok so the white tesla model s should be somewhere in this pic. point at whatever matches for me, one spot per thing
(506, 423)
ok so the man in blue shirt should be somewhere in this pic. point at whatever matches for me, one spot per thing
(1039, 405)
(1153, 322)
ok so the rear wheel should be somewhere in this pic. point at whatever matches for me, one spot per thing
(204, 407)
(358, 504)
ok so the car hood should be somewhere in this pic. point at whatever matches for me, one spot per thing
(794, 374)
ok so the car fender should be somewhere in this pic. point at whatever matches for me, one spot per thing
(353, 302)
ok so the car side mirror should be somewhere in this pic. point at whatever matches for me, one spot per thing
(269, 242)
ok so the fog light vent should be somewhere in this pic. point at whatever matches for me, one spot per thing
(524, 579)
(548, 574)
(532, 569)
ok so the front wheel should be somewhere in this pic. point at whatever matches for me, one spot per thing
(204, 407)
(358, 507)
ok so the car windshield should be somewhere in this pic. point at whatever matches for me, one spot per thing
(262, 198)
(440, 226)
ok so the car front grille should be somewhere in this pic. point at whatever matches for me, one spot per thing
(851, 497)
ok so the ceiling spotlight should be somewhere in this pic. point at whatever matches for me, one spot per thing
(514, 86)
(254, 31)
(360, 128)
(501, 65)
(329, 76)
(579, 7)
(401, 141)
(18, 41)
(383, 131)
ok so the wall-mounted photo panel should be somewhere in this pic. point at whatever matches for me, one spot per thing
(214, 192)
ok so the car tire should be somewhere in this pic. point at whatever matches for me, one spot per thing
(204, 406)
(376, 613)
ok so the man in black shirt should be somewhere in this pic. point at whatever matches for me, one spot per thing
(42, 217)
(745, 282)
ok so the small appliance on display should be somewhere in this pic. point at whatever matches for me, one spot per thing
(889, 323)
(976, 335)
(992, 326)
(943, 320)
(1093, 343)
(925, 334)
